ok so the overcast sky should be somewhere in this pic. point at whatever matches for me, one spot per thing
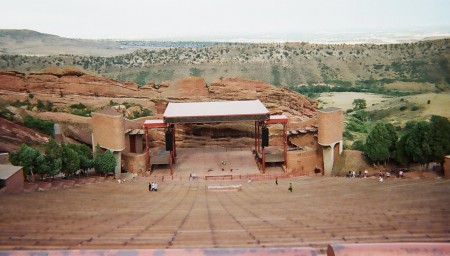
(151, 19)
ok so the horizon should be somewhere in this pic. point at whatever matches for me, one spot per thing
(285, 20)
(375, 37)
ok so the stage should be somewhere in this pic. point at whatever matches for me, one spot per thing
(211, 162)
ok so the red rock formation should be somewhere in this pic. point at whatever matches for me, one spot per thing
(278, 100)
(13, 135)
(69, 84)
(65, 88)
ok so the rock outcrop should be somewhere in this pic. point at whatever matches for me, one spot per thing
(12, 135)
(67, 88)
(67, 84)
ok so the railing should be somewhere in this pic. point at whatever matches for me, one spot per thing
(251, 177)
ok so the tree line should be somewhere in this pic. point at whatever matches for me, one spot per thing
(68, 159)
(422, 142)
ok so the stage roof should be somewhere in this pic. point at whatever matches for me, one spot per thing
(218, 111)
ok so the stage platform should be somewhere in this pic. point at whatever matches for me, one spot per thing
(208, 162)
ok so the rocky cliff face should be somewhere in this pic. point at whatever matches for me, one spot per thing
(95, 91)
(67, 84)
(12, 135)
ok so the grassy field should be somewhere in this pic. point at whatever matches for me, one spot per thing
(439, 103)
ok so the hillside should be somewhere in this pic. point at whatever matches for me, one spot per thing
(28, 42)
(290, 64)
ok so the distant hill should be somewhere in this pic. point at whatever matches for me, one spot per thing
(291, 64)
(29, 42)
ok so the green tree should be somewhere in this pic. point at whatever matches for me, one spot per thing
(105, 162)
(42, 166)
(379, 143)
(26, 157)
(358, 145)
(70, 161)
(417, 144)
(55, 167)
(85, 154)
(361, 115)
(359, 104)
(53, 150)
(393, 138)
(400, 154)
(53, 156)
(440, 138)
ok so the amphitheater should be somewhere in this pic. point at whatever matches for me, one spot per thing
(190, 215)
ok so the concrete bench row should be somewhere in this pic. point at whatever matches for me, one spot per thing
(379, 249)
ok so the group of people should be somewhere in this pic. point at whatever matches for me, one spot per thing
(352, 174)
(152, 186)
(387, 174)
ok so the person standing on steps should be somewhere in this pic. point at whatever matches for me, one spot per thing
(290, 187)
(276, 181)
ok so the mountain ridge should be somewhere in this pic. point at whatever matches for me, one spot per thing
(291, 64)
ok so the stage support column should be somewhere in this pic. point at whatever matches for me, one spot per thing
(256, 136)
(170, 161)
(173, 141)
(285, 144)
(147, 154)
(263, 151)
(263, 160)
(172, 152)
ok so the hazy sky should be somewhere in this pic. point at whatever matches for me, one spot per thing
(151, 19)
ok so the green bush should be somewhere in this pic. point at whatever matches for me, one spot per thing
(40, 125)
(195, 72)
(5, 113)
(78, 106)
(82, 112)
(19, 104)
(145, 112)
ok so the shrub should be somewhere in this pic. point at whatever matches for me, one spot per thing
(40, 125)
(7, 114)
(78, 106)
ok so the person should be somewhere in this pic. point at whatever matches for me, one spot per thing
(380, 176)
(150, 186)
(190, 176)
(223, 165)
(366, 173)
(290, 187)
(353, 174)
(276, 181)
(400, 174)
(249, 180)
(155, 187)
(317, 170)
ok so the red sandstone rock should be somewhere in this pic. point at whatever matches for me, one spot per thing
(65, 88)
(12, 135)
